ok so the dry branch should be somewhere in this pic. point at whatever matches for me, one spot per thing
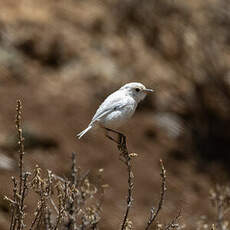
(153, 213)
(18, 121)
(125, 157)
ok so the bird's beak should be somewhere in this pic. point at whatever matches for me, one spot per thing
(149, 90)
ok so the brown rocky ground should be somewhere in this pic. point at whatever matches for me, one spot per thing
(62, 57)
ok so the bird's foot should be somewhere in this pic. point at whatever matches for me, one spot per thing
(121, 142)
(111, 138)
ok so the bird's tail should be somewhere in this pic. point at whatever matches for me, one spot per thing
(79, 135)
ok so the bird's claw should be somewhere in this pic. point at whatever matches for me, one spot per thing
(121, 142)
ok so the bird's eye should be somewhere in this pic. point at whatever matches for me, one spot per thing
(137, 89)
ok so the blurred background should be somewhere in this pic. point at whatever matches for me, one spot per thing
(62, 58)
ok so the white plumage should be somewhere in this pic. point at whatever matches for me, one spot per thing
(118, 107)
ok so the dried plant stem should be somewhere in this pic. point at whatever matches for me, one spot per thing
(53, 204)
(220, 215)
(154, 214)
(125, 157)
(18, 122)
(71, 199)
(13, 219)
(94, 227)
(62, 197)
(72, 209)
(47, 219)
(130, 189)
(74, 170)
(220, 198)
(22, 198)
(171, 225)
(59, 217)
(22, 178)
(37, 216)
(72, 216)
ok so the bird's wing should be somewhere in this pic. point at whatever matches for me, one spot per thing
(112, 103)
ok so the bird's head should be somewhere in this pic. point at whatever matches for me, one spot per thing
(137, 90)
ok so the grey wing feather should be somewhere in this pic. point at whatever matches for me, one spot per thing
(111, 103)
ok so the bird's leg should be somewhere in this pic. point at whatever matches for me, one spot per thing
(121, 142)
(107, 135)
(112, 139)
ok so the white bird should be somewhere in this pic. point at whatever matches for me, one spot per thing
(118, 107)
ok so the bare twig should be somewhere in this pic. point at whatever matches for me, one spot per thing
(18, 122)
(61, 203)
(22, 178)
(220, 198)
(38, 214)
(56, 177)
(13, 220)
(47, 218)
(126, 158)
(18, 192)
(74, 170)
(45, 209)
(153, 213)
(94, 227)
(22, 198)
(172, 224)
(71, 205)
(53, 204)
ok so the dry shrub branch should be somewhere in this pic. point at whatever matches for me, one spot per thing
(74, 203)
(126, 157)
(154, 213)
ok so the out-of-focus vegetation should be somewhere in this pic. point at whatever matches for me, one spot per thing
(63, 57)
